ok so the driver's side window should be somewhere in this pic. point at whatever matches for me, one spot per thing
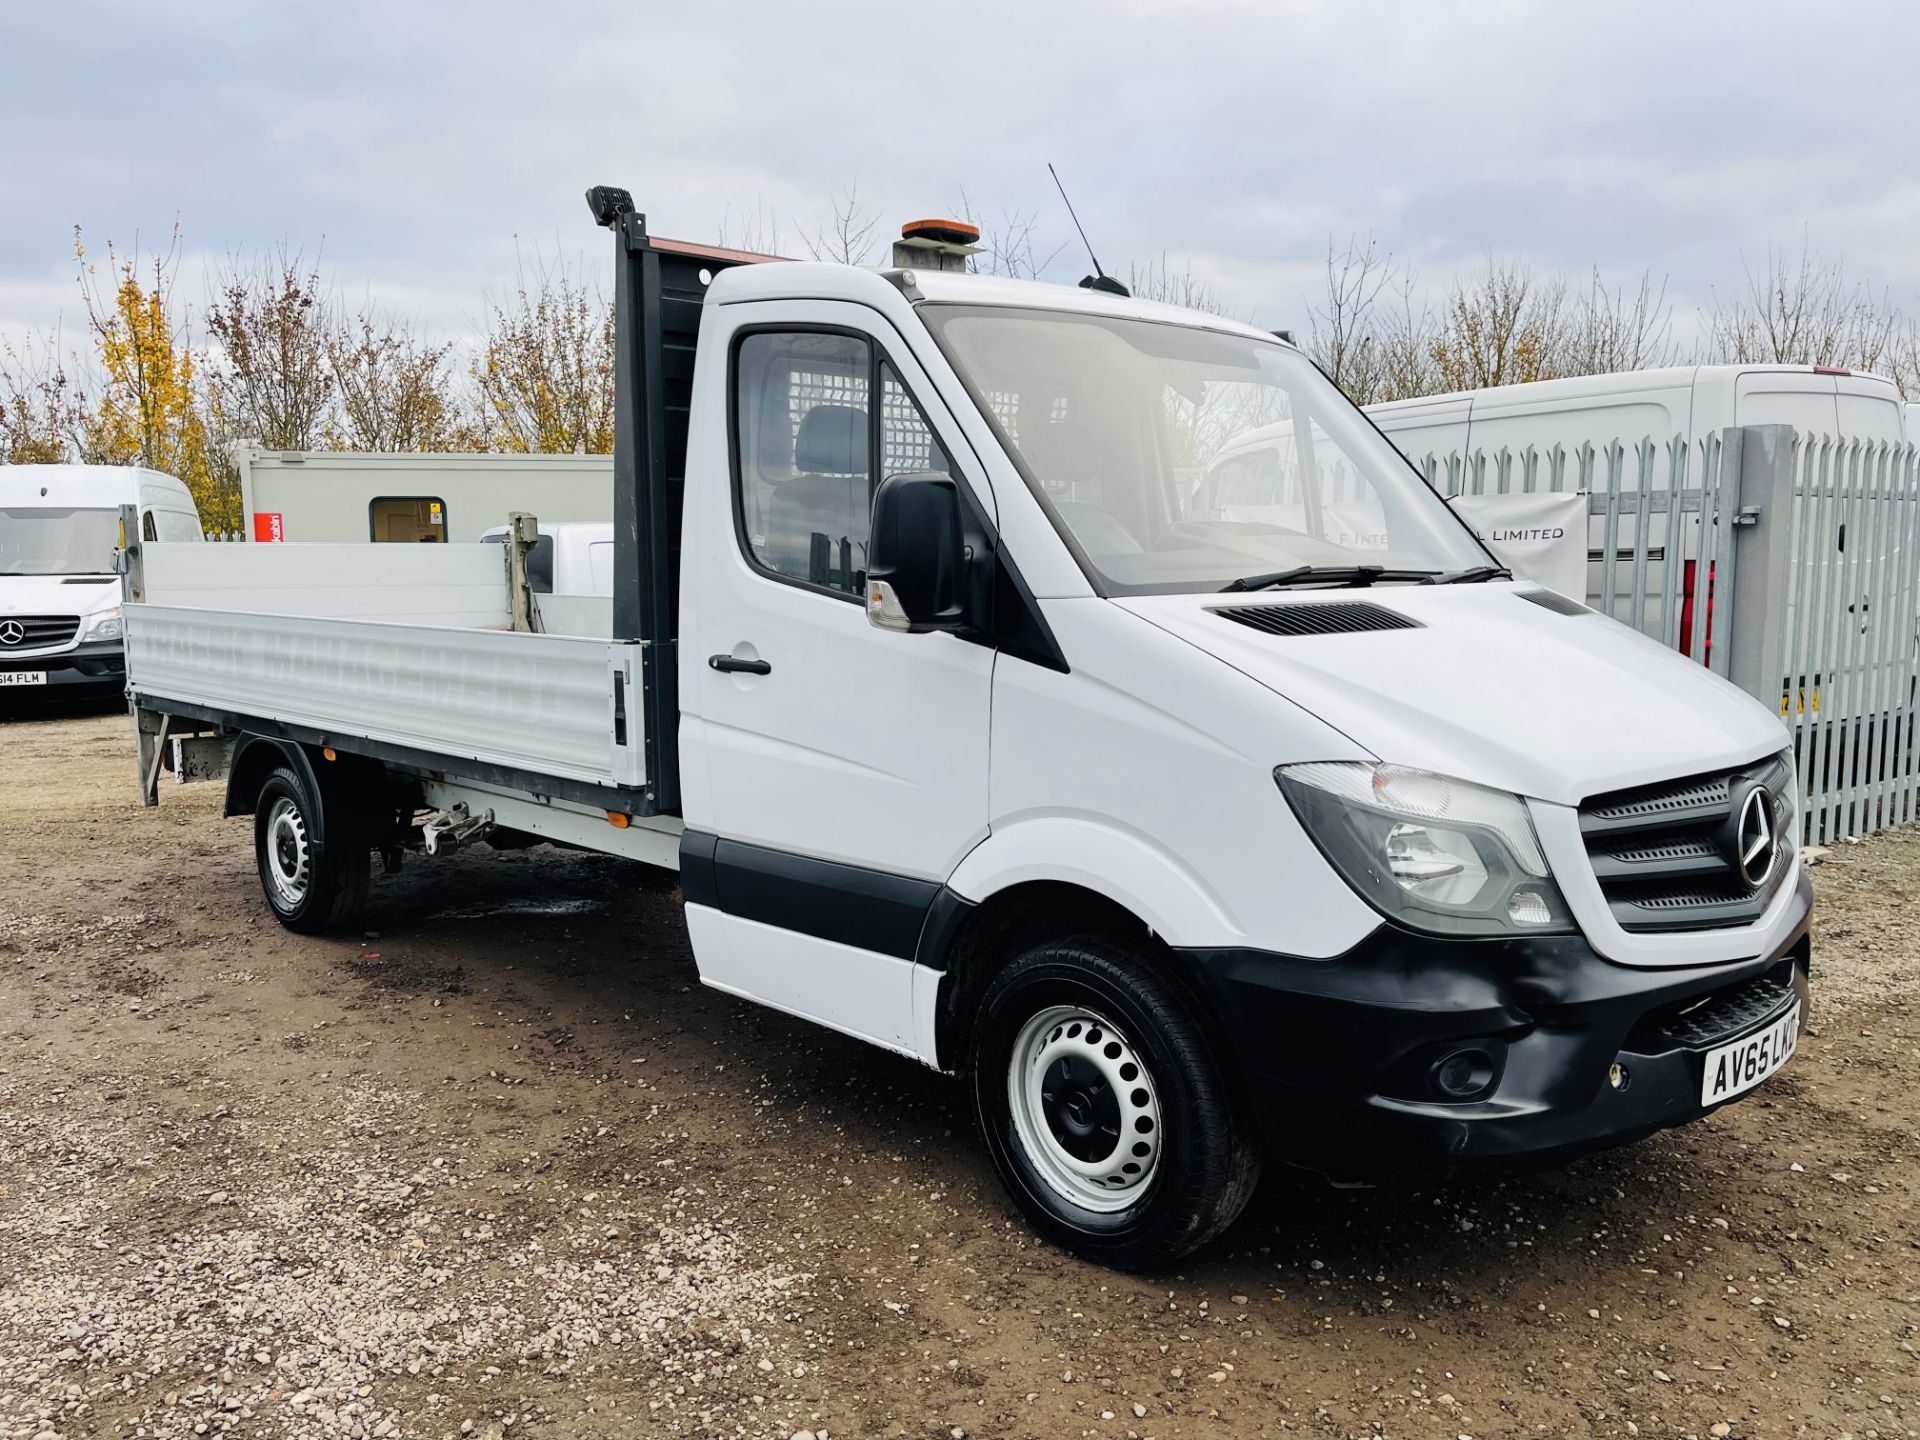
(810, 448)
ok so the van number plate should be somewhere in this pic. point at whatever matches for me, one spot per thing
(1733, 1069)
(22, 677)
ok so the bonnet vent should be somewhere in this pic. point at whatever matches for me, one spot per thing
(1327, 617)
(1553, 600)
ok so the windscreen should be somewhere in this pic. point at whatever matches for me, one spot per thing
(50, 540)
(1177, 458)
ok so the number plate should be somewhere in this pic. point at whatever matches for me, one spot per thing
(1733, 1069)
(22, 677)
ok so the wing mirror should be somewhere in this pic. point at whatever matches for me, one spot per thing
(916, 554)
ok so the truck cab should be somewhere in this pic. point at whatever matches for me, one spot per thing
(1190, 842)
(60, 621)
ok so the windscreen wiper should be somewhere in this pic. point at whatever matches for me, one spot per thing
(1355, 576)
(1476, 575)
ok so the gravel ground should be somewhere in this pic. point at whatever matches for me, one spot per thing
(503, 1167)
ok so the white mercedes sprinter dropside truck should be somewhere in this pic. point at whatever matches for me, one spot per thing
(1188, 843)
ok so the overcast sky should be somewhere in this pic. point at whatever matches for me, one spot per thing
(414, 146)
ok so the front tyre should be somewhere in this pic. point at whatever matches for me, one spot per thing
(1104, 1108)
(311, 888)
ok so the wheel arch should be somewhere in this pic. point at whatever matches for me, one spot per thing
(257, 756)
(1051, 876)
(969, 943)
(344, 784)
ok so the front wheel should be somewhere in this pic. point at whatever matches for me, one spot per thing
(1104, 1107)
(311, 888)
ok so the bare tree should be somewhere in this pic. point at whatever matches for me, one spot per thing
(1013, 247)
(849, 240)
(1157, 280)
(1802, 309)
(545, 371)
(394, 389)
(1901, 363)
(1505, 328)
(1613, 330)
(271, 381)
(758, 230)
(43, 411)
(1368, 333)
(1345, 337)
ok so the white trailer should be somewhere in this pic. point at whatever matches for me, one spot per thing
(353, 496)
(1188, 842)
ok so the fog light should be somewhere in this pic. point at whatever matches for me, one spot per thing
(1618, 1077)
(1464, 1074)
(1529, 907)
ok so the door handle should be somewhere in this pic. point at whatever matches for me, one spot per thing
(733, 665)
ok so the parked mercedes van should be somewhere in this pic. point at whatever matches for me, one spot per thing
(1187, 844)
(60, 622)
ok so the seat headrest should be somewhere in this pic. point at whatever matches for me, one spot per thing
(832, 441)
(1062, 453)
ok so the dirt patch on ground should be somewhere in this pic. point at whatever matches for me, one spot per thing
(502, 1166)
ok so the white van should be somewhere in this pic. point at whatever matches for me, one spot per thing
(570, 576)
(1186, 842)
(1690, 400)
(59, 601)
(1444, 436)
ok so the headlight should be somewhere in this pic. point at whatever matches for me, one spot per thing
(107, 625)
(1430, 852)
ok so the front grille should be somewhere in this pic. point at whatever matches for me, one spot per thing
(1666, 855)
(1715, 1018)
(1326, 617)
(37, 630)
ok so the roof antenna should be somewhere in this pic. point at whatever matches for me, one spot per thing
(1099, 280)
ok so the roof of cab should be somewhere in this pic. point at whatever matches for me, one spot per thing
(825, 280)
(1624, 382)
(90, 486)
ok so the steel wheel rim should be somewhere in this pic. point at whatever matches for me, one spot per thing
(289, 855)
(1075, 1083)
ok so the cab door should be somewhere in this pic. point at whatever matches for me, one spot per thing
(834, 773)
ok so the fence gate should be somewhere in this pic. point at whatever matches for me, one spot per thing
(1835, 636)
(1661, 521)
(1789, 564)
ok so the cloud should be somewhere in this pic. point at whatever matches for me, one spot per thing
(418, 147)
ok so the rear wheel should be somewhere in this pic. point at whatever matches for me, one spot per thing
(311, 887)
(1104, 1107)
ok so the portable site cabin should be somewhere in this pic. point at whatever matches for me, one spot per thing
(342, 497)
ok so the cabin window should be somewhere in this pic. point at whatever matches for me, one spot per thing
(807, 438)
(408, 519)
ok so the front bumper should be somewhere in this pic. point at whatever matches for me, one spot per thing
(98, 664)
(1338, 1055)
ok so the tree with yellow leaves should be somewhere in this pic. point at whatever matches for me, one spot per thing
(545, 371)
(149, 408)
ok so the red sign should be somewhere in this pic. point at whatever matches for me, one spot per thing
(267, 526)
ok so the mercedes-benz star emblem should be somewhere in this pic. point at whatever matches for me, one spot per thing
(1755, 841)
(12, 632)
